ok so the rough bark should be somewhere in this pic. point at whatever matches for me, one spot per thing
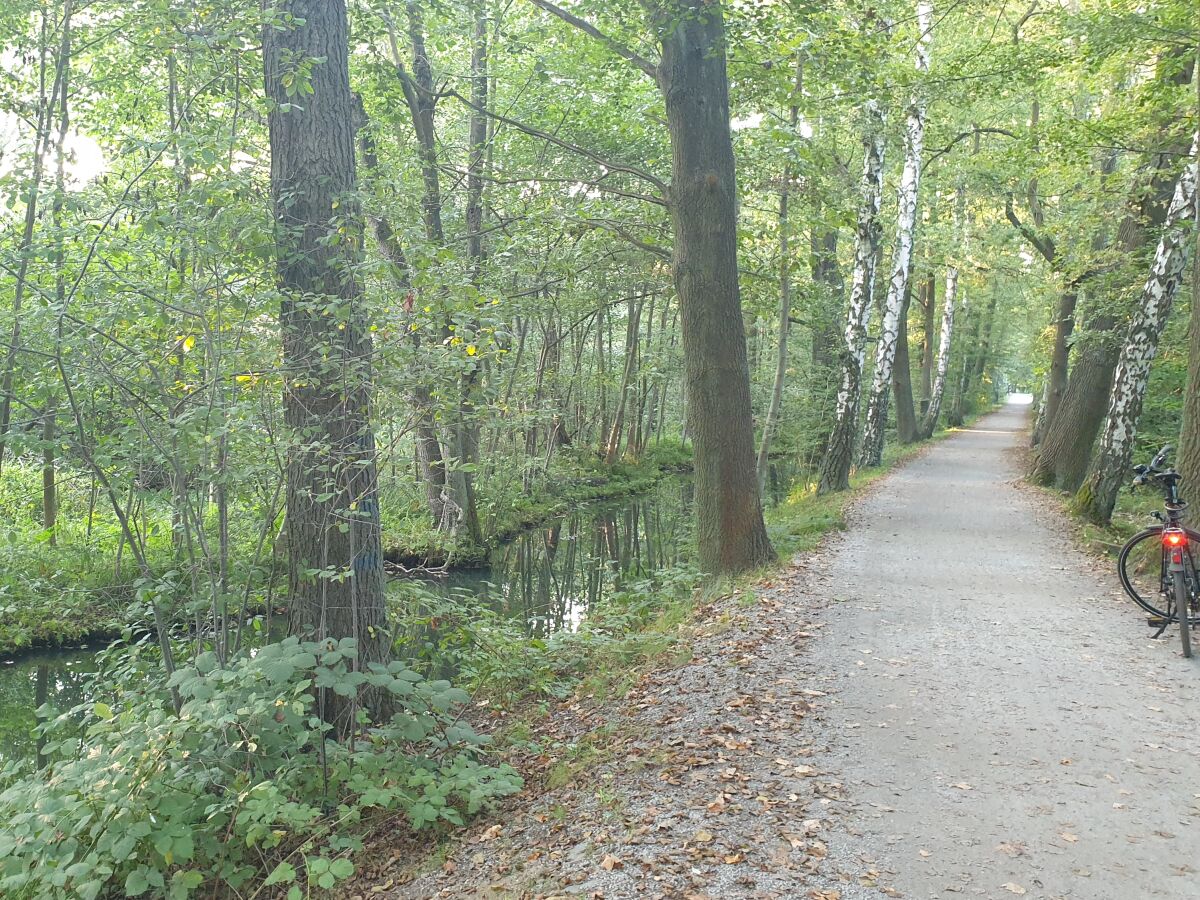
(335, 573)
(885, 349)
(1188, 460)
(1108, 471)
(839, 453)
(1056, 378)
(1063, 454)
(730, 534)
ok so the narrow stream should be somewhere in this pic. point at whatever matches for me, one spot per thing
(546, 578)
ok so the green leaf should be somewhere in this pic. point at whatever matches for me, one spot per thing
(137, 883)
(281, 874)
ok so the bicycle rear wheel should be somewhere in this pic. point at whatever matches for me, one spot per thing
(1182, 604)
(1142, 567)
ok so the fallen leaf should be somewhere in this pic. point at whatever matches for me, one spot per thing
(1068, 837)
(703, 837)
(610, 862)
(1013, 887)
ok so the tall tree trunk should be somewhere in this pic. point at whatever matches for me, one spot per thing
(332, 505)
(431, 467)
(1188, 459)
(956, 415)
(785, 296)
(612, 447)
(929, 422)
(928, 354)
(1056, 378)
(885, 350)
(1063, 455)
(835, 465)
(730, 534)
(453, 483)
(1096, 498)
(906, 414)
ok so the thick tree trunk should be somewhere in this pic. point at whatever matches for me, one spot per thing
(906, 414)
(335, 573)
(835, 465)
(1063, 454)
(1056, 378)
(1188, 459)
(885, 350)
(1096, 498)
(730, 534)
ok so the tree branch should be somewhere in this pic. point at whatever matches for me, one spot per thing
(623, 233)
(615, 46)
(1044, 245)
(566, 145)
(958, 139)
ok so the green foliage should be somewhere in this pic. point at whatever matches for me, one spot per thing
(494, 654)
(244, 784)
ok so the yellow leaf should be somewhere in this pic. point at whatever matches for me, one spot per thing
(471, 350)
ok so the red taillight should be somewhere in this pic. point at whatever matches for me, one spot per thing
(1175, 538)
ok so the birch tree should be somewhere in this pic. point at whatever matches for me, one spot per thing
(938, 389)
(835, 465)
(1096, 498)
(885, 351)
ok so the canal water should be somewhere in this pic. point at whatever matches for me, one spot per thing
(547, 579)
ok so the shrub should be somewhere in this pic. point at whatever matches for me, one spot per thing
(244, 784)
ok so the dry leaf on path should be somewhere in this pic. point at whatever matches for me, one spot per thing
(610, 862)
(1013, 887)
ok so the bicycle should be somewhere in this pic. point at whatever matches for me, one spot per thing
(1159, 564)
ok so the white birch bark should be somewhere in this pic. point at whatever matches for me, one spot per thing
(835, 467)
(929, 423)
(1109, 467)
(885, 350)
(943, 361)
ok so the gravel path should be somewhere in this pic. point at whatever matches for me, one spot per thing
(949, 700)
(1000, 719)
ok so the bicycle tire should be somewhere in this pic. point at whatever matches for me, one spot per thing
(1182, 610)
(1136, 568)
